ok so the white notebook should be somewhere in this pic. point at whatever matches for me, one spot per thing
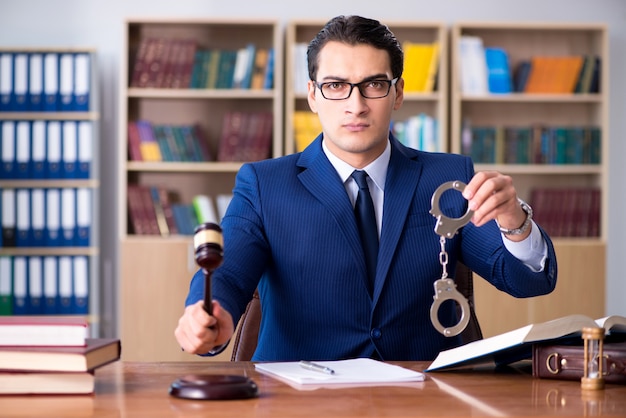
(352, 372)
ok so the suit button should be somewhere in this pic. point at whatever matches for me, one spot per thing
(376, 333)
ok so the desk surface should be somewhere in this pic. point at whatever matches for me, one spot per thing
(141, 390)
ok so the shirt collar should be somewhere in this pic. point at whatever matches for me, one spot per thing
(376, 170)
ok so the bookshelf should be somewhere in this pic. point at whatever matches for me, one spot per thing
(53, 101)
(581, 259)
(155, 270)
(300, 32)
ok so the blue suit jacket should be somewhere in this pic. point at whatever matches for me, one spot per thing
(290, 231)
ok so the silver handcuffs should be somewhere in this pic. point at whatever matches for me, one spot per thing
(445, 288)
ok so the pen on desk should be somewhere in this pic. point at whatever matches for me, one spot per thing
(309, 365)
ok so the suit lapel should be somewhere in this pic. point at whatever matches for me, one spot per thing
(400, 186)
(320, 178)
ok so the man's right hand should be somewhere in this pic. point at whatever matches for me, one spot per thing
(198, 332)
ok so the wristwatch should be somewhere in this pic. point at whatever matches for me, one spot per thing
(529, 216)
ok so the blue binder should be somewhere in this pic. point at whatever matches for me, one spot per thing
(35, 82)
(6, 81)
(7, 149)
(66, 82)
(81, 285)
(69, 149)
(35, 286)
(65, 281)
(50, 285)
(38, 217)
(54, 150)
(85, 149)
(82, 81)
(52, 229)
(20, 82)
(68, 217)
(51, 82)
(22, 210)
(83, 217)
(20, 285)
(38, 149)
(22, 150)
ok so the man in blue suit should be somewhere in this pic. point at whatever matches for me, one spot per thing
(290, 230)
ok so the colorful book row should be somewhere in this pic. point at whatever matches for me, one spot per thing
(47, 217)
(567, 212)
(181, 63)
(44, 285)
(45, 81)
(418, 132)
(246, 136)
(487, 70)
(154, 210)
(185, 143)
(532, 145)
(40, 149)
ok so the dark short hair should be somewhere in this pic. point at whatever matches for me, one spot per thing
(354, 30)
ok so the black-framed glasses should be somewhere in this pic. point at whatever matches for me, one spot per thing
(369, 89)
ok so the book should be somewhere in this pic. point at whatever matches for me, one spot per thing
(516, 345)
(96, 353)
(359, 371)
(43, 331)
(566, 362)
(46, 383)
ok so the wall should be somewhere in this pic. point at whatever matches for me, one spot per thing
(99, 24)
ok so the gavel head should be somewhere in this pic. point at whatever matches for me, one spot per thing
(208, 242)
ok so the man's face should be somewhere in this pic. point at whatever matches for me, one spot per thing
(355, 129)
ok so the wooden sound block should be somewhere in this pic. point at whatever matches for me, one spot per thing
(213, 387)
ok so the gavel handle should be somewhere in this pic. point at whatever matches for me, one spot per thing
(208, 298)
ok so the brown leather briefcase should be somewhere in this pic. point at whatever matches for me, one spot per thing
(566, 362)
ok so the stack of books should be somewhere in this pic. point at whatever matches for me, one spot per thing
(51, 355)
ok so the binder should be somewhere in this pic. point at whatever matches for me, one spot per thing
(20, 82)
(83, 217)
(7, 136)
(66, 82)
(22, 149)
(85, 149)
(20, 285)
(8, 218)
(50, 81)
(52, 230)
(35, 82)
(69, 149)
(35, 286)
(68, 217)
(80, 303)
(82, 81)
(22, 209)
(53, 150)
(38, 149)
(65, 280)
(6, 285)
(6, 81)
(38, 217)
(50, 285)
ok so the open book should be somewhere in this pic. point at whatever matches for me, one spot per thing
(517, 344)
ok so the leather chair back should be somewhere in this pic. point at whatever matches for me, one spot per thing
(247, 333)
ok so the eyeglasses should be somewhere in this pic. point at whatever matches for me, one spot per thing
(369, 89)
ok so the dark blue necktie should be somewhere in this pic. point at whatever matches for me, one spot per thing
(366, 222)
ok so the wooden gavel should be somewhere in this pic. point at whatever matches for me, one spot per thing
(208, 243)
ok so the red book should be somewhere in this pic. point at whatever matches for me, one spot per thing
(96, 353)
(24, 331)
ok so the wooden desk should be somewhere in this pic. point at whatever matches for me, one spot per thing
(141, 390)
